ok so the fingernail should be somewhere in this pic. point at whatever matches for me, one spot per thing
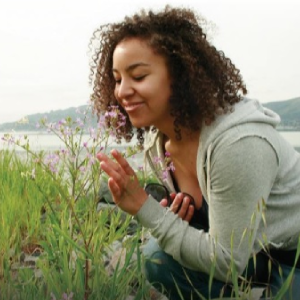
(114, 151)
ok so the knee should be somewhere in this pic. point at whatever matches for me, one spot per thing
(155, 262)
(157, 265)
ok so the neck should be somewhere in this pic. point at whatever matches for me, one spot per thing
(188, 139)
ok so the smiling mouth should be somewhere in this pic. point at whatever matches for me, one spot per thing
(133, 106)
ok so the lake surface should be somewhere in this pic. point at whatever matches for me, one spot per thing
(39, 141)
(293, 137)
(47, 142)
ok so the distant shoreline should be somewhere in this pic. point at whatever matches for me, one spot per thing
(44, 140)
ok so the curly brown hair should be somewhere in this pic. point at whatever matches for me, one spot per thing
(205, 83)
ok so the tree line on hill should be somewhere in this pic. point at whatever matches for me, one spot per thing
(289, 112)
(31, 122)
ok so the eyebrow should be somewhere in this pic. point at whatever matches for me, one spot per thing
(133, 66)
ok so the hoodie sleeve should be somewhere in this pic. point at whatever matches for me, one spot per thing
(241, 174)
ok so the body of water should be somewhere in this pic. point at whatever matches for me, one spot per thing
(45, 141)
(293, 137)
(39, 141)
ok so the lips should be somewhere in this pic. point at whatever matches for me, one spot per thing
(130, 107)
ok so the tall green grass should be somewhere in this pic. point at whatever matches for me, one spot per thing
(48, 207)
(71, 259)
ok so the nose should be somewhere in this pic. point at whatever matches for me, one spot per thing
(124, 89)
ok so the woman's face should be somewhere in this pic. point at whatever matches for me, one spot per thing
(143, 84)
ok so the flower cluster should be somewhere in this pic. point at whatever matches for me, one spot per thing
(165, 166)
(114, 121)
(52, 160)
(11, 140)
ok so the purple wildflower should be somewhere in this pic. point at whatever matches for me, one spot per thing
(165, 175)
(65, 296)
(157, 160)
(62, 122)
(64, 151)
(10, 139)
(91, 159)
(80, 122)
(111, 114)
(171, 167)
(68, 131)
(92, 132)
(101, 122)
(52, 161)
(82, 169)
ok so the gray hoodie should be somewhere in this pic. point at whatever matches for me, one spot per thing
(250, 177)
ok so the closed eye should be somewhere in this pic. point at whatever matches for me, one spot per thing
(139, 78)
(136, 78)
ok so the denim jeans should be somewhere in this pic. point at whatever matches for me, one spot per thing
(177, 282)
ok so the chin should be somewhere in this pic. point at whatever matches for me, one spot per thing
(139, 123)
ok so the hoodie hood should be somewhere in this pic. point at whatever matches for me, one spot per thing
(245, 111)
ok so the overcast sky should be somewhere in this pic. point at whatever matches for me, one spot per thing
(43, 47)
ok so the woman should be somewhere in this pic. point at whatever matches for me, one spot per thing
(185, 100)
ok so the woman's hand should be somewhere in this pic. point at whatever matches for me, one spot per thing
(123, 183)
(180, 206)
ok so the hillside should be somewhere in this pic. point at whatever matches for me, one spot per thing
(289, 111)
(29, 123)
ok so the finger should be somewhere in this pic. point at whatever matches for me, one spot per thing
(164, 202)
(172, 196)
(114, 189)
(190, 213)
(107, 165)
(111, 171)
(122, 162)
(176, 203)
(101, 157)
(183, 209)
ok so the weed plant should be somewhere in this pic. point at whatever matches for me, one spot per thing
(48, 209)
